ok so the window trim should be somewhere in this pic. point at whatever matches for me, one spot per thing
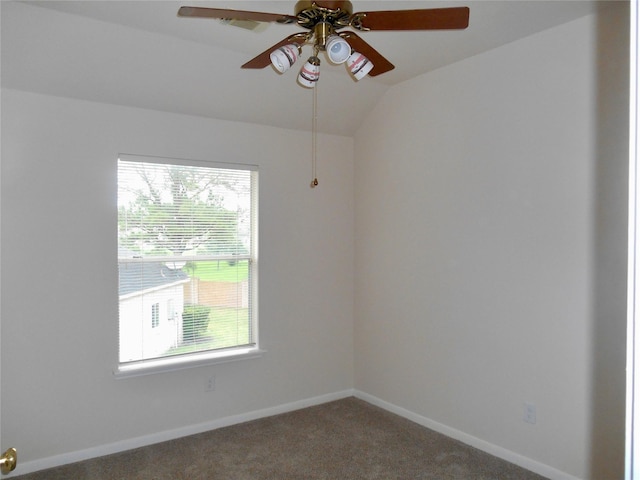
(182, 362)
(210, 357)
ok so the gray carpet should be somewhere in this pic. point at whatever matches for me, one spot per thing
(341, 440)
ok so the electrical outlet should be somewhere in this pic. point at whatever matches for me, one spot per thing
(210, 385)
(529, 413)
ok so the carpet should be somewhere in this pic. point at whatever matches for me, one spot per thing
(341, 440)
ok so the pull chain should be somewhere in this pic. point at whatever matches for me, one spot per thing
(314, 137)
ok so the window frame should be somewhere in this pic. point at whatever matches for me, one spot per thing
(205, 357)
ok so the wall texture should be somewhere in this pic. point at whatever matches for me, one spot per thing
(479, 228)
(59, 274)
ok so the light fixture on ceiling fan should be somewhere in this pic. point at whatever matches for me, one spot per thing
(337, 49)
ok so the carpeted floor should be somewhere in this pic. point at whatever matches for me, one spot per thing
(342, 440)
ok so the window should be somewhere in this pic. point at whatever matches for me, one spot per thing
(187, 243)
(171, 310)
(155, 315)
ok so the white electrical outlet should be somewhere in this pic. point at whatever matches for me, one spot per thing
(210, 385)
(529, 413)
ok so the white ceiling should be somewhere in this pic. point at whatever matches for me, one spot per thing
(139, 53)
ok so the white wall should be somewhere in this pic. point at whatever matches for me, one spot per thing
(479, 229)
(59, 275)
(489, 249)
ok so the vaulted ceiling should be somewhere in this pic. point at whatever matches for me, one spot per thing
(141, 54)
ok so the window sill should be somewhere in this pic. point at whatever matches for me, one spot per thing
(172, 364)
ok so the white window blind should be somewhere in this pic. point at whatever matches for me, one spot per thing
(187, 258)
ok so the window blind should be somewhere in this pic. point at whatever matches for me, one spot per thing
(186, 257)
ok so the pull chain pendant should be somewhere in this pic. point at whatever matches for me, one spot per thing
(314, 138)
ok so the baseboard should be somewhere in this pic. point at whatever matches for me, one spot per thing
(146, 440)
(496, 451)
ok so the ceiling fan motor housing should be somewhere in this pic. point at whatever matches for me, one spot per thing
(336, 13)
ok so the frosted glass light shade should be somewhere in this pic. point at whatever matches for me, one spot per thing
(338, 50)
(310, 73)
(284, 57)
(359, 65)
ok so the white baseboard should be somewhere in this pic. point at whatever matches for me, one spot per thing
(496, 451)
(129, 444)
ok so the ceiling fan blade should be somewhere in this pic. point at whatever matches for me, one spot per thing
(201, 12)
(264, 60)
(380, 64)
(429, 19)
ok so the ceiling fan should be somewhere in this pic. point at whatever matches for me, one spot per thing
(325, 21)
